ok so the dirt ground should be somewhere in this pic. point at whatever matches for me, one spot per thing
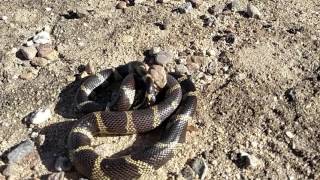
(258, 81)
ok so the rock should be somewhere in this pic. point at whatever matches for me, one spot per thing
(211, 52)
(196, 3)
(89, 68)
(200, 167)
(211, 69)
(181, 69)
(4, 18)
(28, 52)
(42, 37)
(40, 139)
(34, 135)
(253, 11)
(185, 7)
(163, 58)
(162, 1)
(29, 43)
(216, 9)
(44, 50)
(290, 134)
(158, 74)
(245, 160)
(21, 151)
(290, 95)
(121, 5)
(234, 5)
(230, 38)
(54, 55)
(209, 22)
(48, 9)
(56, 176)
(193, 67)
(188, 173)
(62, 164)
(11, 170)
(154, 50)
(26, 76)
(84, 74)
(38, 61)
(139, 1)
(40, 116)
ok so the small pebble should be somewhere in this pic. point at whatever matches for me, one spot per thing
(29, 43)
(54, 55)
(121, 5)
(21, 151)
(185, 7)
(290, 134)
(211, 52)
(181, 69)
(62, 164)
(200, 167)
(216, 9)
(48, 9)
(42, 37)
(4, 18)
(26, 76)
(163, 1)
(40, 116)
(56, 176)
(34, 135)
(188, 173)
(38, 61)
(193, 67)
(253, 11)
(196, 3)
(245, 160)
(139, 1)
(209, 22)
(44, 50)
(235, 5)
(163, 58)
(89, 68)
(40, 139)
(84, 74)
(154, 50)
(28, 52)
(158, 74)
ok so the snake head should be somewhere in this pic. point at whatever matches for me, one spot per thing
(151, 91)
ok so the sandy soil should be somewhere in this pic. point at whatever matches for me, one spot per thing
(260, 97)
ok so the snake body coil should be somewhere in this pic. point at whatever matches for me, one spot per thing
(145, 160)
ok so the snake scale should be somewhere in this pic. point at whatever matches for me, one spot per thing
(177, 106)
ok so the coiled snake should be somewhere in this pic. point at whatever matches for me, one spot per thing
(100, 121)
